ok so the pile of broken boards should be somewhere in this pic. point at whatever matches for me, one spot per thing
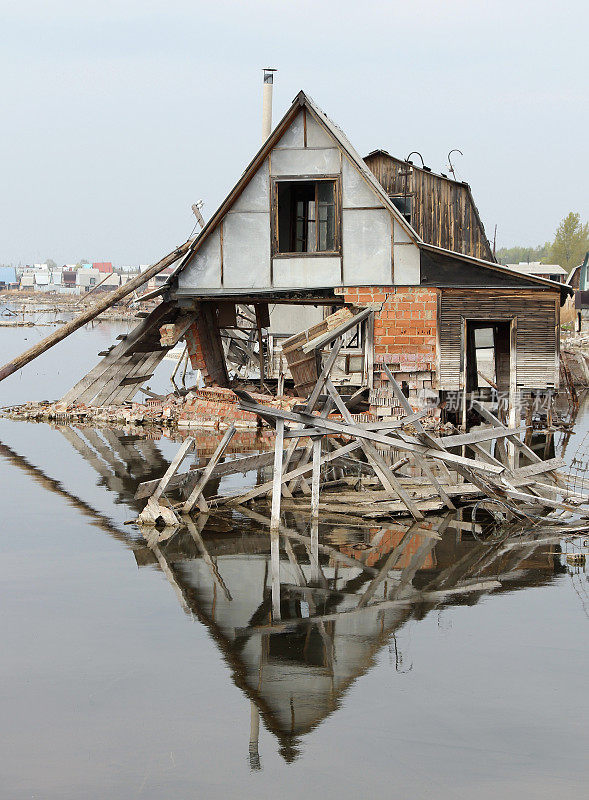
(373, 469)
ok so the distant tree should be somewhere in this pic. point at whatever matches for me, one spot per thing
(50, 263)
(571, 242)
(513, 255)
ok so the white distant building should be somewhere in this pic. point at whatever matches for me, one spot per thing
(42, 280)
(553, 272)
(87, 278)
(114, 279)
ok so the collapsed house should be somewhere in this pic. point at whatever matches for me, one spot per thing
(311, 229)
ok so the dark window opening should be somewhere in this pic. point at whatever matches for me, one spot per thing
(403, 204)
(306, 216)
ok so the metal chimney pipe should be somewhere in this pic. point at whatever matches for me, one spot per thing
(267, 102)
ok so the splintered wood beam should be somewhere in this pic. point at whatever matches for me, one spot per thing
(527, 451)
(485, 435)
(92, 383)
(186, 447)
(312, 401)
(91, 313)
(185, 481)
(289, 476)
(153, 510)
(135, 379)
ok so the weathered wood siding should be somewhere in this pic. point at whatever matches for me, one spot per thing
(443, 210)
(537, 319)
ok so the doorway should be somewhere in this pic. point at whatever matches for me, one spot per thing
(486, 367)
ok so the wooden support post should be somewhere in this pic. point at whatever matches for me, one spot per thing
(260, 345)
(295, 473)
(275, 518)
(277, 479)
(254, 736)
(315, 478)
(312, 401)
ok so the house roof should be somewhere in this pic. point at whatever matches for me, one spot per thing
(562, 287)
(304, 100)
(440, 175)
(535, 268)
(300, 101)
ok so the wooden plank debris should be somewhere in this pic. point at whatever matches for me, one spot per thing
(196, 494)
(154, 510)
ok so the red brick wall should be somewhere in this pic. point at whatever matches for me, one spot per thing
(195, 352)
(404, 328)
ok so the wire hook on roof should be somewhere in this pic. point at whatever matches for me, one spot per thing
(450, 164)
(416, 153)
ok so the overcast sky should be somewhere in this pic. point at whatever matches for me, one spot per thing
(118, 115)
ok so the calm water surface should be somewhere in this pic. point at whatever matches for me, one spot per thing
(136, 671)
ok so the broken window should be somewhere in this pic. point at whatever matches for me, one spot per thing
(306, 217)
(403, 203)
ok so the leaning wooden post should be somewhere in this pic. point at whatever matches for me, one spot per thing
(275, 518)
(153, 510)
(196, 493)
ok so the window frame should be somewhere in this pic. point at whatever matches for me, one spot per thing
(336, 180)
(408, 196)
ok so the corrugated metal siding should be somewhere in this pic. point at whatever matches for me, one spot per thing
(536, 356)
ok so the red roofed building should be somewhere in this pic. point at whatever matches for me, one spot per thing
(103, 266)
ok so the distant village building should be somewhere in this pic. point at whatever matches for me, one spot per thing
(7, 278)
(68, 277)
(27, 280)
(578, 306)
(553, 272)
(103, 266)
(86, 278)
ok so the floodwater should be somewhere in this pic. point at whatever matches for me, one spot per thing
(136, 671)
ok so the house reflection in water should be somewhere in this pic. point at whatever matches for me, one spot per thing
(335, 618)
(342, 595)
